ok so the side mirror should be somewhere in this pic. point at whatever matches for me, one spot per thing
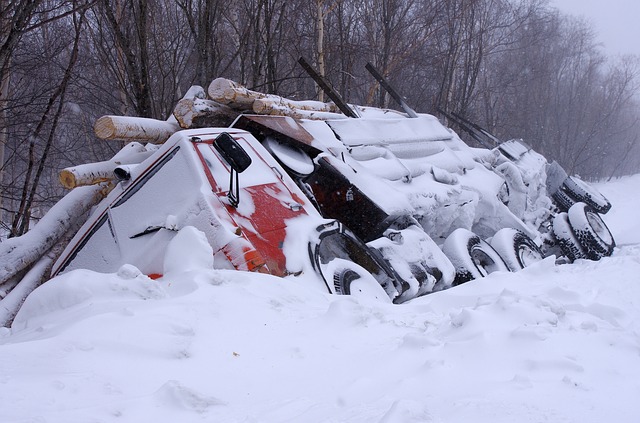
(232, 152)
(238, 159)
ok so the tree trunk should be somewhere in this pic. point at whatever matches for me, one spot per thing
(320, 45)
(22, 218)
(4, 131)
(20, 252)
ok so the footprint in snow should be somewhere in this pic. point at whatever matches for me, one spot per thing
(174, 394)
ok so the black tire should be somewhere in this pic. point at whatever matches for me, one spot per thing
(350, 279)
(567, 240)
(580, 191)
(342, 279)
(516, 248)
(562, 200)
(472, 257)
(591, 231)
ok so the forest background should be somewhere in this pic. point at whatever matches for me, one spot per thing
(520, 68)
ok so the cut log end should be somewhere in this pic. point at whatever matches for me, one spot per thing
(104, 128)
(67, 179)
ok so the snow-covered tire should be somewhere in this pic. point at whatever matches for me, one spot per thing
(567, 240)
(516, 248)
(590, 230)
(562, 200)
(335, 245)
(351, 279)
(580, 191)
(472, 257)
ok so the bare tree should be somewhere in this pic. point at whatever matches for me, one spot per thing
(52, 113)
(124, 27)
(17, 18)
(518, 67)
(204, 19)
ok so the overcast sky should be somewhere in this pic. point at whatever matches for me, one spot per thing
(617, 21)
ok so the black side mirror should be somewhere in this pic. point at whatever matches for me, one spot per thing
(232, 152)
(238, 159)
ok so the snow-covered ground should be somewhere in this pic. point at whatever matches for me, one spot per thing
(550, 343)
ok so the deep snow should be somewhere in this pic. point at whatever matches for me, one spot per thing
(549, 343)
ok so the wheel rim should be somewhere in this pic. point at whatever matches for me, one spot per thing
(528, 255)
(598, 227)
(482, 261)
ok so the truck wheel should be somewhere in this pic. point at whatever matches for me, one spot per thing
(592, 233)
(472, 257)
(516, 248)
(580, 191)
(562, 200)
(336, 248)
(351, 279)
(567, 240)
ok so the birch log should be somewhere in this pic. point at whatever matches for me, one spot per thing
(236, 96)
(195, 91)
(94, 173)
(233, 94)
(267, 105)
(128, 128)
(16, 254)
(38, 274)
(277, 109)
(201, 113)
(296, 111)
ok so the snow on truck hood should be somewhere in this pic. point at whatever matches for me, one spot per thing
(389, 131)
(417, 166)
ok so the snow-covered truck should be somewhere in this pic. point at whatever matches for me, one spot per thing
(386, 200)
(223, 182)
(414, 190)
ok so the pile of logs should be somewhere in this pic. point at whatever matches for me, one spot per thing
(219, 106)
(226, 100)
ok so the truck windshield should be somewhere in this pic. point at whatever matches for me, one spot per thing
(258, 173)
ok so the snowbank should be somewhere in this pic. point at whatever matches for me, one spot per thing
(549, 343)
(622, 219)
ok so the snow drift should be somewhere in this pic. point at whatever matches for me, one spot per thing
(548, 343)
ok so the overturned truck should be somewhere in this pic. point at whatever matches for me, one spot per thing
(387, 203)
